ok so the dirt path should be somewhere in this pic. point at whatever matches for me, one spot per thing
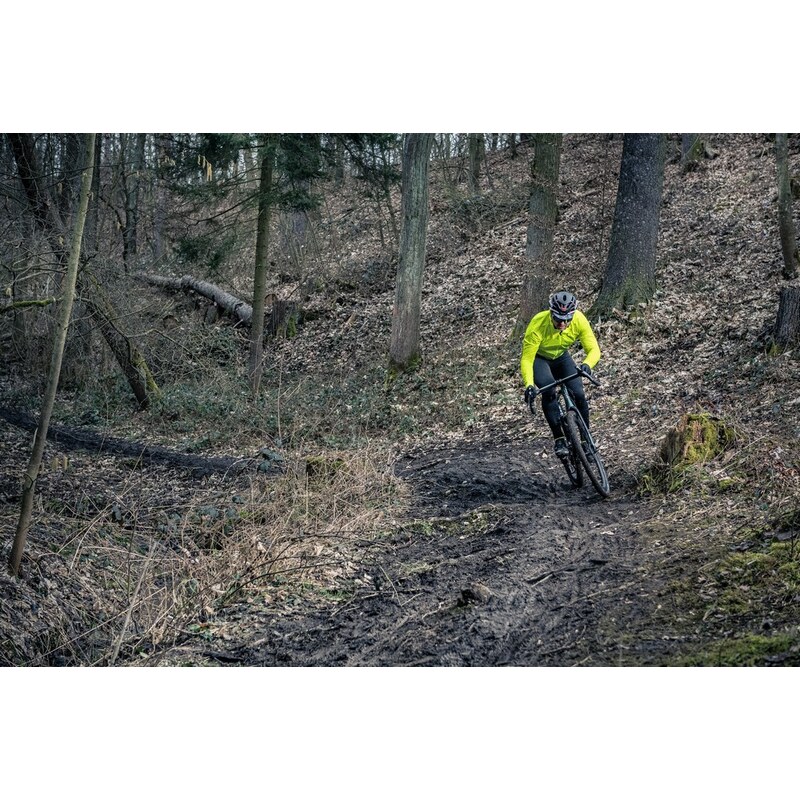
(503, 564)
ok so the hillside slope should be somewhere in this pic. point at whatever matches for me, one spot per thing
(456, 539)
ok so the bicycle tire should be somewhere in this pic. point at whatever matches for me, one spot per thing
(592, 463)
(572, 465)
(573, 469)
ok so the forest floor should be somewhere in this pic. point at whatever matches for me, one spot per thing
(428, 523)
(500, 562)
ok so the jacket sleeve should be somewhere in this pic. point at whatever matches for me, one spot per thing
(529, 347)
(591, 349)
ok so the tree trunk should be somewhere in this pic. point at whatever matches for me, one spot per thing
(339, 160)
(787, 323)
(629, 277)
(131, 182)
(68, 296)
(404, 347)
(791, 257)
(69, 185)
(255, 366)
(90, 236)
(230, 304)
(163, 159)
(542, 211)
(441, 146)
(76, 362)
(129, 358)
(22, 145)
(692, 149)
(475, 146)
(282, 320)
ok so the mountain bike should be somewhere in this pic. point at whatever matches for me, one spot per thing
(582, 455)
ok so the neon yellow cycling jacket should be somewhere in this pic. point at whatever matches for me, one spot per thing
(541, 338)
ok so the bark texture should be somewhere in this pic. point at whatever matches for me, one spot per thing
(542, 213)
(260, 272)
(233, 306)
(404, 350)
(475, 148)
(629, 277)
(787, 323)
(791, 257)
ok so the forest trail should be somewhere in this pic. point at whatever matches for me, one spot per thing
(504, 564)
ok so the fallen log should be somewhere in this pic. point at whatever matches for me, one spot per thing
(281, 321)
(145, 454)
(233, 306)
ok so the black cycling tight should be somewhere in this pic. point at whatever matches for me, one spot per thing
(546, 371)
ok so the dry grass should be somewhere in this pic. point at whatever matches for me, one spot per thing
(129, 592)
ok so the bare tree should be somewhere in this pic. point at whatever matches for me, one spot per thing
(475, 154)
(787, 324)
(46, 217)
(542, 212)
(404, 352)
(65, 311)
(262, 249)
(131, 168)
(791, 257)
(629, 277)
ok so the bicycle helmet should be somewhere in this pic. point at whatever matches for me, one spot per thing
(563, 305)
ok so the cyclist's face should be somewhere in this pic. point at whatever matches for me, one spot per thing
(560, 324)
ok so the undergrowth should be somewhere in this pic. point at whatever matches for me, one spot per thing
(140, 582)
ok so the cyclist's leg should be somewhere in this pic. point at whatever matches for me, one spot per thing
(542, 375)
(563, 366)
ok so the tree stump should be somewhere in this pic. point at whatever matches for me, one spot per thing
(697, 438)
(283, 319)
(787, 324)
(693, 148)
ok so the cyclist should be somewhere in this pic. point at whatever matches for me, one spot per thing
(545, 358)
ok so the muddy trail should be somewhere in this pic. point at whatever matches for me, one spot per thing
(503, 563)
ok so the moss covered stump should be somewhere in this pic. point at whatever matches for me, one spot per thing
(697, 439)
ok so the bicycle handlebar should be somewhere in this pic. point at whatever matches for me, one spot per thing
(578, 374)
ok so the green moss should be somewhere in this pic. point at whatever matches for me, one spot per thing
(324, 466)
(751, 650)
(697, 439)
(396, 369)
(744, 586)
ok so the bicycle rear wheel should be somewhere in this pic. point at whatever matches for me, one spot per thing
(589, 458)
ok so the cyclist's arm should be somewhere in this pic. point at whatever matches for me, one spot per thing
(530, 345)
(588, 341)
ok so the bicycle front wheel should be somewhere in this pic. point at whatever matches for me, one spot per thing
(573, 467)
(588, 456)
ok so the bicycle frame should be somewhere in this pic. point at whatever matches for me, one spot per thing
(583, 452)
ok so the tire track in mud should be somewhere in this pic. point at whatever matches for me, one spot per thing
(503, 563)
